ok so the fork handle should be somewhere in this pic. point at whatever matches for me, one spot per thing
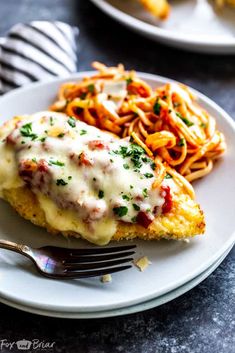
(9, 245)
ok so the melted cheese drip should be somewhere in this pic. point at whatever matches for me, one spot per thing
(87, 197)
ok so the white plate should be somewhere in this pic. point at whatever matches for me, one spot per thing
(173, 263)
(192, 24)
(165, 298)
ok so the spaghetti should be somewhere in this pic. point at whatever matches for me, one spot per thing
(167, 121)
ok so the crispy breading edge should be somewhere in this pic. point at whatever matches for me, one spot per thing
(185, 220)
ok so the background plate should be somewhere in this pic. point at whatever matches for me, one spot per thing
(193, 24)
(173, 263)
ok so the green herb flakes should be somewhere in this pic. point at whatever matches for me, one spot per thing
(181, 142)
(156, 108)
(91, 88)
(101, 194)
(61, 135)
(51, 121)
(185, 120)
(26, 131)
(136, 207)
(61, 182)
(129, 80)
(120, 211)
(145, 192)
(58, 163)
(71, 121)
(83, 132)
(148, 175)
(168, 176)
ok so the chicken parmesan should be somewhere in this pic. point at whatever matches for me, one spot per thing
(75, 179)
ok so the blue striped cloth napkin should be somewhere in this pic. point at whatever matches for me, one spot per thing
(37, 51)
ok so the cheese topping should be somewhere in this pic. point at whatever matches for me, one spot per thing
(85, 179)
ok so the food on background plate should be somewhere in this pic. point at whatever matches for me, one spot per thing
(161, 8)
(221, 3)
(166, 120)
(158, 8)
(71, 177)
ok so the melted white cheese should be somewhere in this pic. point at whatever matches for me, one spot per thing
(89, 180)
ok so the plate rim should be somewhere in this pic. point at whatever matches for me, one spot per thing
(133, 309)
(187, 278)
(162, 33)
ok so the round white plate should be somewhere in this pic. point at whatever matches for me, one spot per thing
(192, 24)
(173, 263)
(165, 298)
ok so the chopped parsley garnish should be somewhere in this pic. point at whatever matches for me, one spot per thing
(91, 88)
(131, 186)
(61, 182)
(168, 176)
(137, 156)
(42, 139)
(120, 211)
(26, 131)
(70, 177)
(126, 197)
(61, 135)
(136, 207)
(153, 165)
(203, 125)
(148, 210)
(34, 160)
(129, 80)
(71, 121)
(181, 142)
(185, 120)
(148, 175)
(51, 121)
(101, 194)
(122, 151)
(83, 132)
(133, 219)
(83, 95)
(169, 111)
(58, 163)
(111, 160)
(22, 142)
(145, 192)
(156, 108)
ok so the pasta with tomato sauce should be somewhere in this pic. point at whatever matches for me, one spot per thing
(166, 121)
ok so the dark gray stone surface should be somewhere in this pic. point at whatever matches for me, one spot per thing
(201, 321)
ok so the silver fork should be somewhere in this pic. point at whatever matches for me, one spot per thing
(62, 263)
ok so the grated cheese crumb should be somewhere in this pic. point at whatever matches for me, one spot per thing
(106, 278)
(142, 263)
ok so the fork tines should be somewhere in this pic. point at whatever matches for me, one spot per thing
(92, 262)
